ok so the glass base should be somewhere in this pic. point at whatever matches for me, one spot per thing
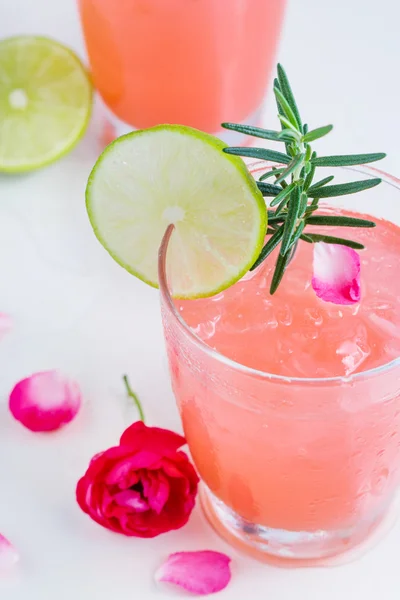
(116, 128)
(295, 548)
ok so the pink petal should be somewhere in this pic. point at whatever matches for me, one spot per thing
(161, 441)
(131, 499)
(5, 324)
(158, 492)
(8, 554)
(45, 401)
(203, 572)
(336, 273)
(124, 467)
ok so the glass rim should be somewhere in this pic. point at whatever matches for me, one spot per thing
(255, 167)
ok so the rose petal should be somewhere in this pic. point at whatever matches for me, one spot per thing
(8, 554)
(158, 492)
(131, 499)
(336, 273)
(122, 470)
(45, 401)
(203, 572)
(5, 324)
(154, 439)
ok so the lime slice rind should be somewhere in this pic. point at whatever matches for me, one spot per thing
(147, 179)
(45, 102)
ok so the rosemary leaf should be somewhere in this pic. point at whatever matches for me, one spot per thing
(281, 207)
(280, 267)
(308, 154)
(291, 220)
(310, 176)
(267, 189)
(269, 247)
(261, 153)
(280, 112)
(266, 134)
(287, 110)
(303, 203)
(321, 183)
(339, 221)
(285, 121)
(282, 194)
(306, 238)
(330, 239)
(297, 234)
(343, 188)
(315, 134)
(296, 162)
(274, 218)
(344, 160)
(272, 173)
(289, 135)
(294, 196)
(286, 90)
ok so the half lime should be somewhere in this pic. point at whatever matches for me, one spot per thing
(148, 179)
(45, 102)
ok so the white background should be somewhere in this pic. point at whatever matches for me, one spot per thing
(76, 310)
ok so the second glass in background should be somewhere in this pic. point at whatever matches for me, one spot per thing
(193, 62)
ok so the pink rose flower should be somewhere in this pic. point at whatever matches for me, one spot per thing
(143, 487)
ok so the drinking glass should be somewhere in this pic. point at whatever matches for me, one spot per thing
(192, 62)
(294, 469)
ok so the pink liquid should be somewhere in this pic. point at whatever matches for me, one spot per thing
(291, 454)
(193, 62)
(294, 333)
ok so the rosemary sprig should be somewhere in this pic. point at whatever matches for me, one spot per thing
(294, 192)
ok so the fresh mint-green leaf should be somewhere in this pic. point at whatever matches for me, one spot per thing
(288, 135)
(303, 203)
(315, 134)
(292, 166)
(310, 176)
(288, 112)
(285, 121)
(286, 90)
(280, 111)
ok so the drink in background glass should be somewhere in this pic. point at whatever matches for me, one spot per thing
(193, 62)
(291, 405)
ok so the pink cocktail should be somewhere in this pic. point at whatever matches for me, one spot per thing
(291, 405)
(193, 62)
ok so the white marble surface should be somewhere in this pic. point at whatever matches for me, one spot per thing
(75, 309)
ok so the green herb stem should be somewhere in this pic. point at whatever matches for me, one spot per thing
(294, 191)
(134, 397)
